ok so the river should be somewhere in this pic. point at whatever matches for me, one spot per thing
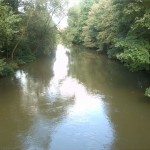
(79, 100)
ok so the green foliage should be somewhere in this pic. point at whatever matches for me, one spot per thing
(7, 69)
(8, 27)
(25, 59)
(77, 17)
(73, 21)
(12, 3)
(119, 28)
(2, 64)
(99, 29)
(39, 35)
(135, 53)
(147, 92)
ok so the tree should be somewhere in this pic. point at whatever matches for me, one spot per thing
(100, 29)
(14, 4)
(81, 12)
(8, 27)
(38, 18)
(120, 28)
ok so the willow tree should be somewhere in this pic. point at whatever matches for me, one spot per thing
(38, 26)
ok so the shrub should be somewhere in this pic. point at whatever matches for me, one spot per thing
(7, 69)
(147, 92)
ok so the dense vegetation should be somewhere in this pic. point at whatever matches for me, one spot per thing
(119, 28)
(27, 31)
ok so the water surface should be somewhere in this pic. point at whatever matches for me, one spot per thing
(79, 100)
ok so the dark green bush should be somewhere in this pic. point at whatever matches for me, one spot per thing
(7, 69)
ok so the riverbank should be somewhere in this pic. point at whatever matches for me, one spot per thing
(118, 28)
(9, 67)
(81, 47)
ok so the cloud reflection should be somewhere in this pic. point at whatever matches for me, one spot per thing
(61, 64)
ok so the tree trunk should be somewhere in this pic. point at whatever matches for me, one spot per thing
(13, 51)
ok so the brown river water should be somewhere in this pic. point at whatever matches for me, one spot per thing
(79, 100)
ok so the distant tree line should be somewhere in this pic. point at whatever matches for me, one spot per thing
(119, 28)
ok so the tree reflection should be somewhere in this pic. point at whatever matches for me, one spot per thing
(32, 106)
(42, 99)
(127, 108)
(76, 99)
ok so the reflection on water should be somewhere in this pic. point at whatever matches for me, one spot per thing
(61, 64)
(79, 101)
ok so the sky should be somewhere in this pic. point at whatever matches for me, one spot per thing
(73, 2)
(63, 23)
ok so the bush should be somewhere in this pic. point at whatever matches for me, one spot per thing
(26, 59)
(7, 69)
(2, 64)
(147, 92)
(135, 53)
